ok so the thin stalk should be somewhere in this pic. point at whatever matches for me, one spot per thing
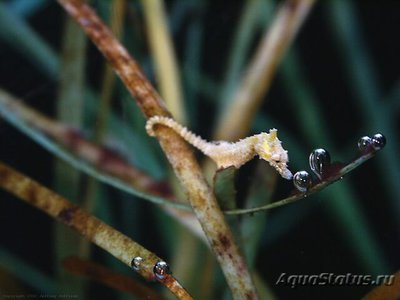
(176, 149)
(184, 259)
(101, 234)
(108, 83)
(69, 108)
(260, 193)
(162, 51)
(246, 29)
(338, 174)
(237, 118)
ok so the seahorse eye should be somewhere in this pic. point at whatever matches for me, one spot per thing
(276, 157)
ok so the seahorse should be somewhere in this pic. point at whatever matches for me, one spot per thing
(226, 154)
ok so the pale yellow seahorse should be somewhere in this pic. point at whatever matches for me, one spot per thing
(225, 154)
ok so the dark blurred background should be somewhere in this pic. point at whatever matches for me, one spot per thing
(338, 82)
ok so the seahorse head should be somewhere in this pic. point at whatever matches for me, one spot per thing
(269, 148)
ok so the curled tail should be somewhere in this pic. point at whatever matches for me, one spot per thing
(186, 134)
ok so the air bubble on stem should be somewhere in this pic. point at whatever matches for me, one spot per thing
(136, 262)
(302, 180)
(318, 160)
(378, 141)
(364, 142)
(161, 269)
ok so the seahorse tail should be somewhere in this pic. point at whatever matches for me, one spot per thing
(151, 122)
(186, 134)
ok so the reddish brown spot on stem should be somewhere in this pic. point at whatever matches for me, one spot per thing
(331, 170)
(73, 139)
(225, 241)
(67, 214)
(32, 193)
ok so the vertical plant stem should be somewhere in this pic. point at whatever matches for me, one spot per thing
(70, 111)
(252, 228)
(186, 252)
(164, 56)
(247, 28)
(236, 120)
(177, 151)
(108, 83)
(184, 258)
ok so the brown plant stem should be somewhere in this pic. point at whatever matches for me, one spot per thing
(97, 272)
(236, 120)
(177, 151)
(119, 169)
(101, 234)
(385, 291)
(102, 157)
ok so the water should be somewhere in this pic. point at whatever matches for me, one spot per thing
(302, 180)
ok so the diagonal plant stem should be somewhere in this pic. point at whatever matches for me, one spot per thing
(105, 159)
(117, 173)
(177, 151)
(101, 234)
(252, 12)
(13, 110)
(236, 119)
(337, 175)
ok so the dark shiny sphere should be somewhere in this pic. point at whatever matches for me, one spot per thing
(319, 159)
(135, 263)
(302, 181)
(161, 269)
(364, 142)
(378, 141)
